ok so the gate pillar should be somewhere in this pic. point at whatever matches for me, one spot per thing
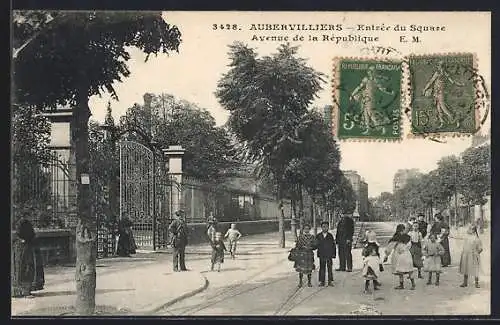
(174, 156)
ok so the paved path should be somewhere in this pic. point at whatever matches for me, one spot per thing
(139, 285)
(260, 281)
(268, 286)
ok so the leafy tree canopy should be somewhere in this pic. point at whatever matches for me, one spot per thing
(59, 54)
(209, 149)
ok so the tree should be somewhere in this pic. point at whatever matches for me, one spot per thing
(104, 168)
(266, 98)
(475, 174)
(210, 154)
(63, 58)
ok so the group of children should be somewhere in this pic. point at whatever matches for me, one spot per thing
(218, 246)
(409, 250)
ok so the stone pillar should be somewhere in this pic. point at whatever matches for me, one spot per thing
(174, 160)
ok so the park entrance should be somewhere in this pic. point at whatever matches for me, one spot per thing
(145, 193)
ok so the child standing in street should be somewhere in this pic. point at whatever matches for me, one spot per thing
(416, 248)
(432, 251)
(234, 235)
(401, 261)
(371, 242)
(469, 260)
(218, 249)
(371, 267)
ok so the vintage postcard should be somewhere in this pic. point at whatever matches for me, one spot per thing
(181, 164)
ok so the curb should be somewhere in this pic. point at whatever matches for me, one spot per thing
(181, 297)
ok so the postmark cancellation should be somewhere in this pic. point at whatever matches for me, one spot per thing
(445, 94)
(367, 99)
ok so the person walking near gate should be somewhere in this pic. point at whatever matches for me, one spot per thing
(326, 252)
(345, 232)
(179, 231)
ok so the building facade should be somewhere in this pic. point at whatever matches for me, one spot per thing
(360, 188)
(402, 176)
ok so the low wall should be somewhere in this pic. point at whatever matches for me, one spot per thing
(56, 245)
(198, 231)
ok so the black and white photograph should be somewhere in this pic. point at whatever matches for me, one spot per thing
(242, 163)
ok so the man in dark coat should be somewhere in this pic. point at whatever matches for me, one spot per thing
(422, 225)
(326, 252)
(179, 231)
(345, 232)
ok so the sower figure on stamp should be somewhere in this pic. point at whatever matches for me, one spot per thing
(345, 232)
(436, 87)
(364, 94)
(179, 231)
(326, 252)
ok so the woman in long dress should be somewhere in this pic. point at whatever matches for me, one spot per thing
(304, 262)
(23, 260)
(442, 230)
(126, 242)
(470, 258)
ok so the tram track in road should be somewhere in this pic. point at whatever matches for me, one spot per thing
(291, 303)
(227, 292)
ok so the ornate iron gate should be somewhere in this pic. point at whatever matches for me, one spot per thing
(137, 190)
(145, 191)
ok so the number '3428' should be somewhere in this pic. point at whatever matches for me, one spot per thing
(225, 27)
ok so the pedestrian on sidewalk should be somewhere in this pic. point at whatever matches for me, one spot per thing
(179, 231)
(27, 270)
(343, 237)
(211, 229)
(372, 244)
(416, 248)
(401, 260)
(126, 243)
(218, 249)
(371, 267)
(304, 261)
(233, 235)
(409, 224)
(432, 252)
(442, 230)
(422, 225)
(326, 252)
(470, 257)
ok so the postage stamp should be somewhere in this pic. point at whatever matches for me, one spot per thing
(367, 97)
(442, 94)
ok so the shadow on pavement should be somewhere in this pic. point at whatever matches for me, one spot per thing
(72, 292)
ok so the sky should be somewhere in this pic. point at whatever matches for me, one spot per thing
(192, 74)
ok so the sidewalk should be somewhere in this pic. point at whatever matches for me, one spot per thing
(137, 291)
(142, 284)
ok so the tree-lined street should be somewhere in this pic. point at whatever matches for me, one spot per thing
(119, 200)
(260, 270)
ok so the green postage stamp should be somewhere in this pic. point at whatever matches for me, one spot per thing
(442, 94)
(367, 98)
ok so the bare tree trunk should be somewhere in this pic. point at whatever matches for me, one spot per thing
(294, 219)
(301, 209)
(86, 249)
(281, 218)
(314, 215)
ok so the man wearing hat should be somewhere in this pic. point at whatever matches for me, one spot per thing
(212, 227)
(345, 232)
(179, 231)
